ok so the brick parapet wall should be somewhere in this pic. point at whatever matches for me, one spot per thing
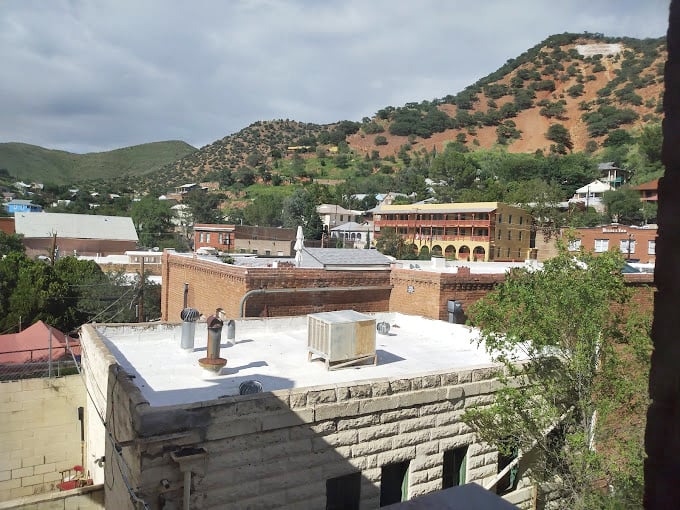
(215, 285)
(413, 292)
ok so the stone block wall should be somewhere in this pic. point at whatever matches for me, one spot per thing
(278, 449)
(40, 433)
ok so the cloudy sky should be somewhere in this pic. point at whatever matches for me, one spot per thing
(94, 75)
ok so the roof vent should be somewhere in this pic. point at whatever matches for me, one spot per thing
(249, 387)
(383, 328)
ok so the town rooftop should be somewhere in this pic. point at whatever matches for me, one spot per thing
(274, 351)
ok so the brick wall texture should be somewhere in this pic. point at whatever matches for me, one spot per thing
(214, 285)
(31, 457)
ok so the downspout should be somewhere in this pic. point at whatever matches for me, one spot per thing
(253, 292)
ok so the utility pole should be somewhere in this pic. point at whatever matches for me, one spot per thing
(630, 238)
(140, 300)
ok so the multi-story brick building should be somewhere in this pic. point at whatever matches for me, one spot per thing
(465, 231)
(219, 237)
(244, 239)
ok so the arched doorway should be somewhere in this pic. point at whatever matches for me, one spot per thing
(424, 253)
(464, 253)
(436, 251)
(479, 253)
(450, 252)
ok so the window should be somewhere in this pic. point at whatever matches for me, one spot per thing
(499, 234)
(219, 238)
(521, 219)
(394, 483)
(500, 218)
(267, 252)
(207, 237)
(454, 467)
(627, 246)
(574, 245)
(200, 237)
(509, 235)
(509, 481)
(508, 255)
(601, 245)
(343, 492)
(520, 235)
(651, 247)
(509, 218)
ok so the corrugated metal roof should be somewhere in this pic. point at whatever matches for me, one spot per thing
(75, 226)
(346, 257)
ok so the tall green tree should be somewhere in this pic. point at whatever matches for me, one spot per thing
(152, 219)
(560, 333)
(205, 207)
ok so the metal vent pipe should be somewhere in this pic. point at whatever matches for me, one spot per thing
(253, 292)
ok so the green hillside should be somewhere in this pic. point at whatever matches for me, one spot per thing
(32, 163)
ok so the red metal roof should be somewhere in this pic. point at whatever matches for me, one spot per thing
(32, 344)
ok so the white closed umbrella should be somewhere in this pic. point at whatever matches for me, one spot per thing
(299, 244)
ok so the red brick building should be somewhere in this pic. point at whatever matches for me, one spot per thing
(267, 241)
(482, 231)
(219, 237)
(635, 243)
(256, 292)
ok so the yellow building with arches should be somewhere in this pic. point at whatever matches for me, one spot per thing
(476, 231)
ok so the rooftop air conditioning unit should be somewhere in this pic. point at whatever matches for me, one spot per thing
(341, 338)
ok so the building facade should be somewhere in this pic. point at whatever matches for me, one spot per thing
(637, 244)
(20, 206)
(267, 241)
(481, 231)
(75, 234)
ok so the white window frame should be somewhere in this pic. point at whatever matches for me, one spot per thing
(651, 247)
(623, 246)
(574, 245)
(601, 245)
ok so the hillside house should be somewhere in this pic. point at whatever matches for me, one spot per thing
(649, 191)
(591, 195)
(22, 206)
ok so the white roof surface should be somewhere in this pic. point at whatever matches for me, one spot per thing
(274, 352)
(596, 186)
(75, 226)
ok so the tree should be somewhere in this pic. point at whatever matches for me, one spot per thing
(565, 324)
(623, 205)
(152, 219)
(560, 135)
(10, 243)
(390, 243)
(205, 207)
(299, 209)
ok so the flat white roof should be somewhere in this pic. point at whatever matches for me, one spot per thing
(274, 352)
